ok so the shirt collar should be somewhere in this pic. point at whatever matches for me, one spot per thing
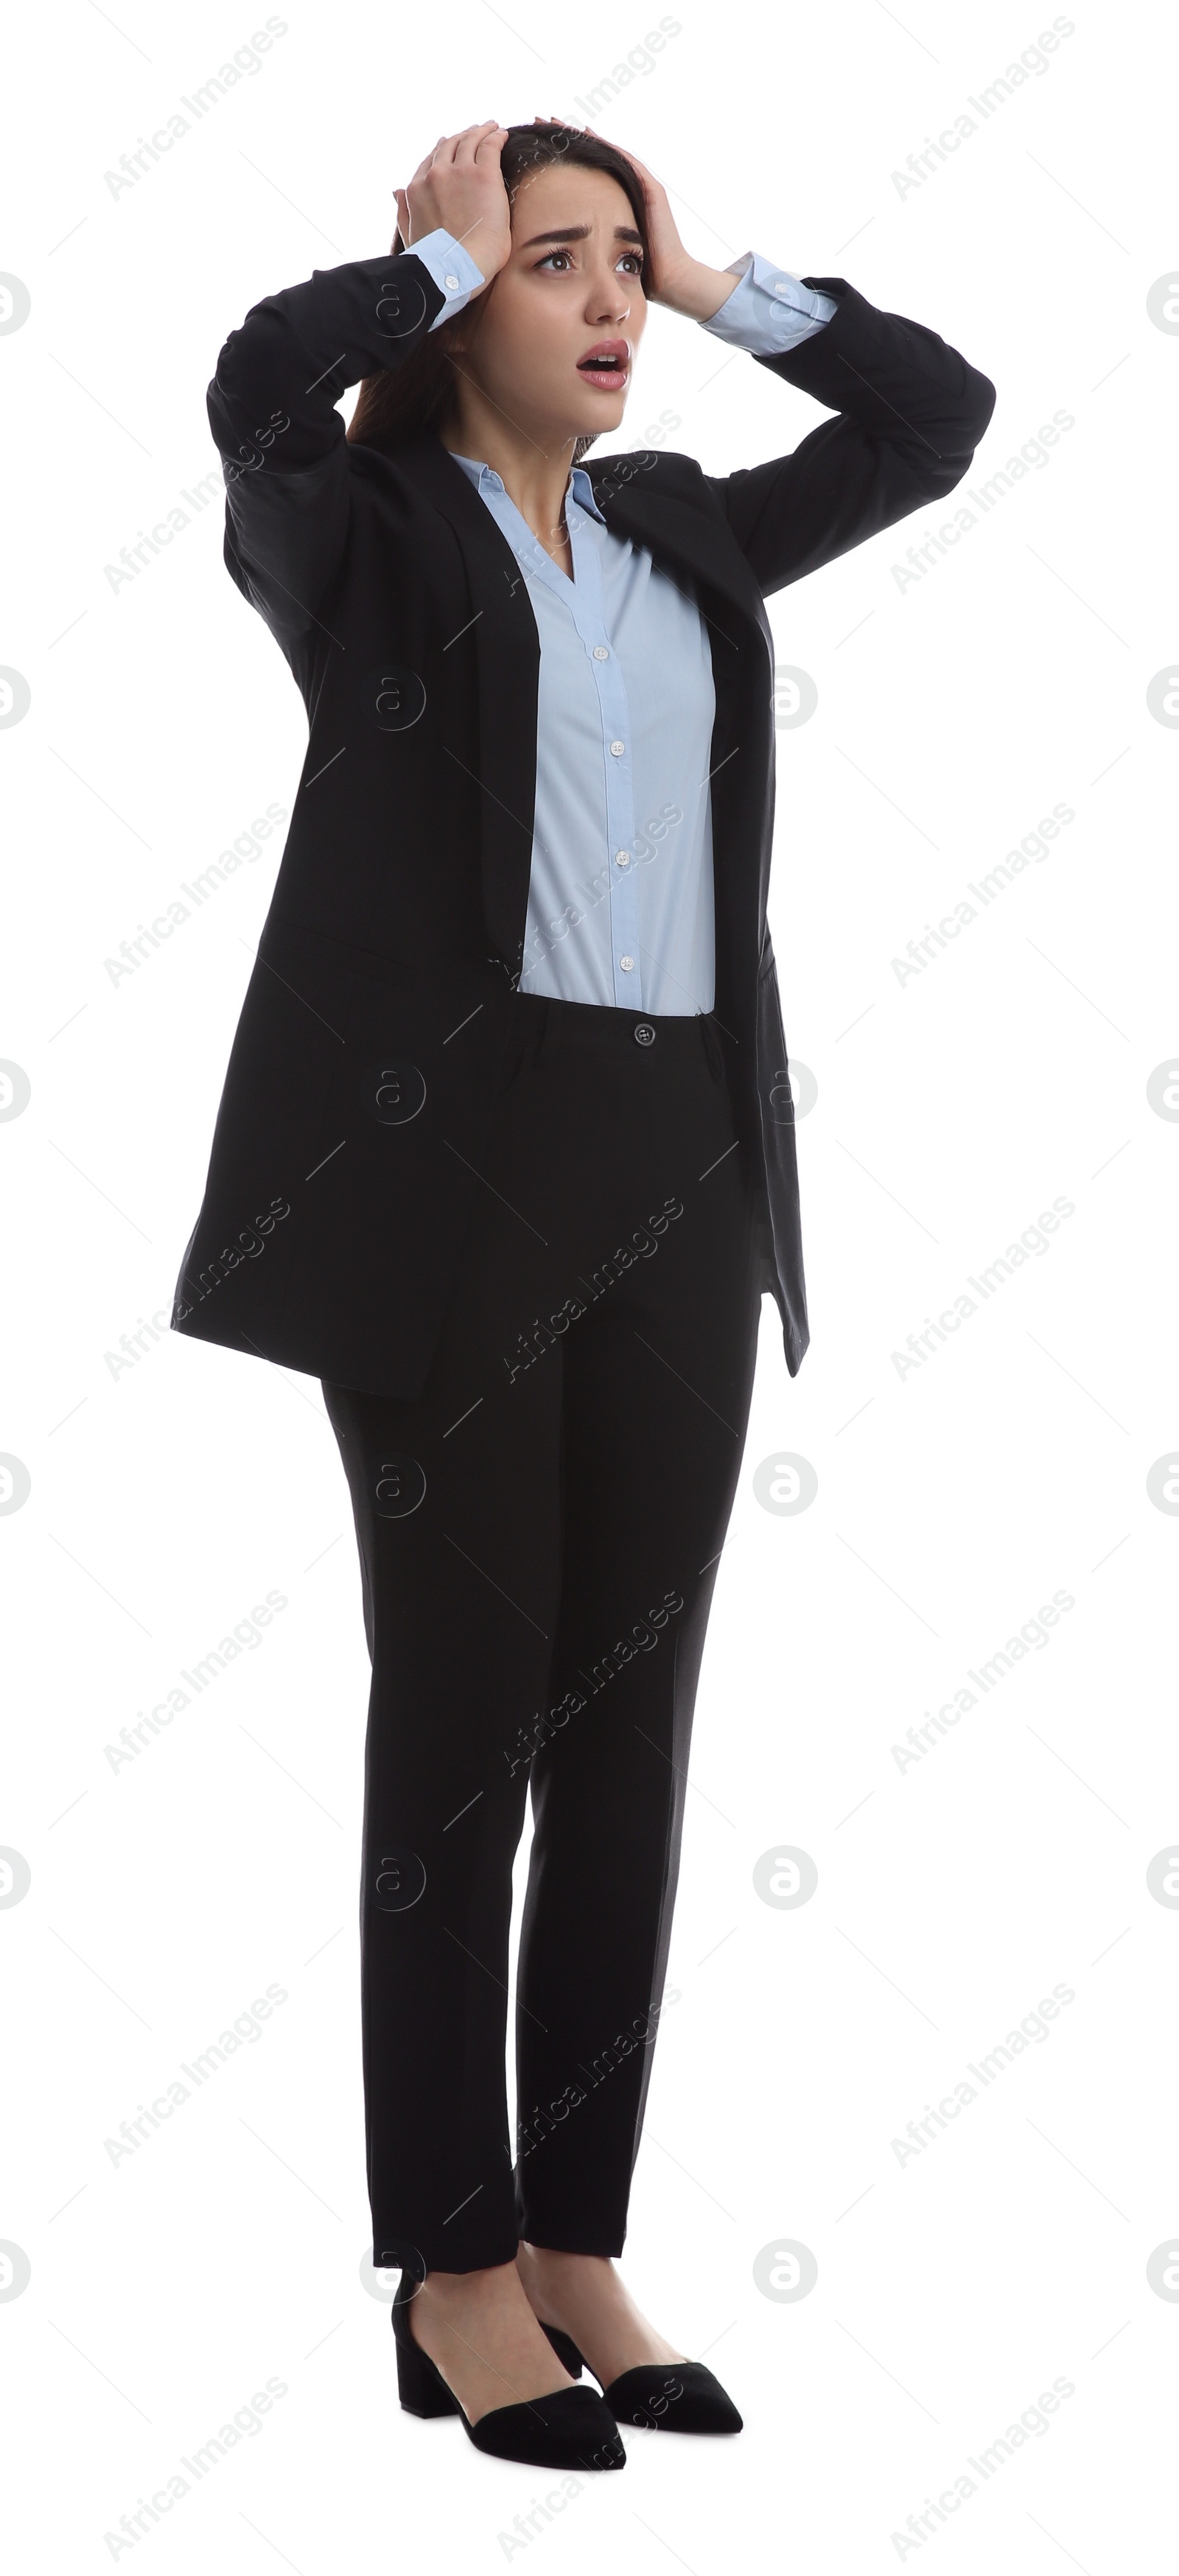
(487, 481)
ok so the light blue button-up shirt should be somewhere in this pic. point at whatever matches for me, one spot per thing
(620, 900)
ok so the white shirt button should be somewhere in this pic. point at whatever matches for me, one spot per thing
(618, 748)
(622, 858)
(601, 653)
(626, 963)
(452, 281)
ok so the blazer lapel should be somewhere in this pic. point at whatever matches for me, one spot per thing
(683, 537)
(633, 502)
(507, 657)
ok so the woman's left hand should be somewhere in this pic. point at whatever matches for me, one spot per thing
(686, 285)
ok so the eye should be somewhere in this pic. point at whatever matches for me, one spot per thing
(635, 256)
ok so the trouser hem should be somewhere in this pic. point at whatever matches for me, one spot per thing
(576, 2240)
(416, 2260)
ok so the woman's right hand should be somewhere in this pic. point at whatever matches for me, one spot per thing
(459, 189)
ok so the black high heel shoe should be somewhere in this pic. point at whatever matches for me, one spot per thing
(665, 2396)
(568, 2429)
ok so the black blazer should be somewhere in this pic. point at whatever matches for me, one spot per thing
(363, 1075)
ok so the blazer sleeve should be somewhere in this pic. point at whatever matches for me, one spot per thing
(272, 411)
(909, 414)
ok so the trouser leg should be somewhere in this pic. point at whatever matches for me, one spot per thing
(455, 1501)
(460, 1642)
(658, 1378)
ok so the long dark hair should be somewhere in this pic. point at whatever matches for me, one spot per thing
(400, 402)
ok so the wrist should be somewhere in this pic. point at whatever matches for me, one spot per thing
(696, 290)
(476, 243)
(489, 260)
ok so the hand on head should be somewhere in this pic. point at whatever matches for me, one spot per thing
(458, 188)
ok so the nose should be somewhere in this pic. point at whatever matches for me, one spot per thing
(608, 299)
(612, 303)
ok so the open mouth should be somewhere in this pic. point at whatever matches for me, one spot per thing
(608, 365)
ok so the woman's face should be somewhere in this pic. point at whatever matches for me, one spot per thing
(571, 288)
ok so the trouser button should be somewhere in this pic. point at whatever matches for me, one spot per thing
(644, 1033)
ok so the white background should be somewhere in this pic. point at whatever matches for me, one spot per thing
(168, 1496)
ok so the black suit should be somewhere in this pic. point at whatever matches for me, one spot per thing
(522, 1241)
(395, 935)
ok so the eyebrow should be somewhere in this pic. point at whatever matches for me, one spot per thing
(580, 232)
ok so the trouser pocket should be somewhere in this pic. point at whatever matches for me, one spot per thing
(713, 1047)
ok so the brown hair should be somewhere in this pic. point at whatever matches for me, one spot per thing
(400, 402)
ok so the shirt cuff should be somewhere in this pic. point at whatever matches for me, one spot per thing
(452, 269)
(769, 310)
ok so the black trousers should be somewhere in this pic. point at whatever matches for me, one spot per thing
(539, 1535)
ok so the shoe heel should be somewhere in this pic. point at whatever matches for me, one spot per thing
(421, 2388)
(420, 2384)
(564, 2347)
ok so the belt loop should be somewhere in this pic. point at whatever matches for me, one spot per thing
(544, 1040)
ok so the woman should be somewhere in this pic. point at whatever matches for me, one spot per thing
(505, 1153)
